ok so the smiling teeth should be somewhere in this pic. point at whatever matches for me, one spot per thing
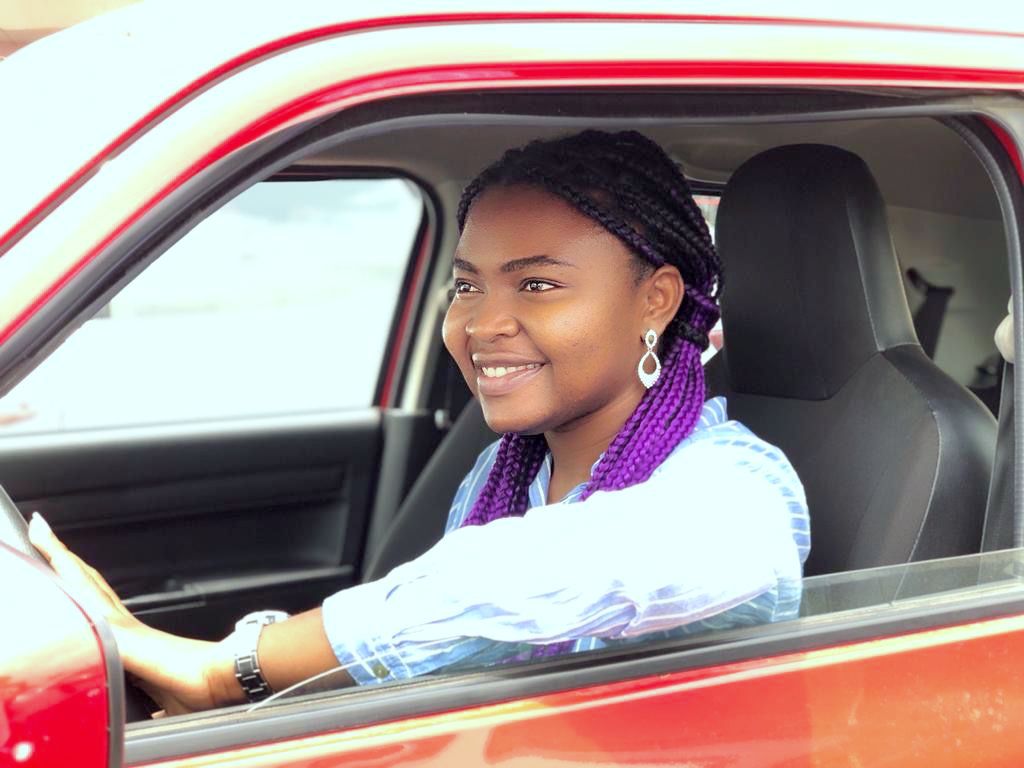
(497, 373)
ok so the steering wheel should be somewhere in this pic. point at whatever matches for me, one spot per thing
(14, 533)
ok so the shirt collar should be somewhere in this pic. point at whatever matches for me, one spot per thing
(713, 413)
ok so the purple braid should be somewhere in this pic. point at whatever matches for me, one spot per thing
(627, 184)
(507, 492)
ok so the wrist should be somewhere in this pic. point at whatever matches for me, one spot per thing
(245, 641)
(219, 672)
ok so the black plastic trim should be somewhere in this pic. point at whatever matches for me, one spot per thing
(708, 188)
(999, 166)
(419, 267)
(201, 590)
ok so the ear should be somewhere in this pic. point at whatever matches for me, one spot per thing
(664, 291)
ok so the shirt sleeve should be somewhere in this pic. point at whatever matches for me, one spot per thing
(707, 532)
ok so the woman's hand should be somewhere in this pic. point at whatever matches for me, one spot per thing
(180, 674)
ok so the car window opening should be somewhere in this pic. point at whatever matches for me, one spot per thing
(945, 262)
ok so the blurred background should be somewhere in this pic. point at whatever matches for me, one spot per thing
(25, 21)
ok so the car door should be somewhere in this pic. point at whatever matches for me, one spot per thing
(920, 679)
(211, 439)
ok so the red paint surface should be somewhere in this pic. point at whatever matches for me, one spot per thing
(247, 58)
(947, 697)
(499, 75)
(409, 302)
(1008, 144)
(53, 692)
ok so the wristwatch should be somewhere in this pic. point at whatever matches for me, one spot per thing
(245, 640)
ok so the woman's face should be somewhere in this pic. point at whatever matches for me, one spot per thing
(547, 320)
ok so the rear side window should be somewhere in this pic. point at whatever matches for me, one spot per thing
(278, 303)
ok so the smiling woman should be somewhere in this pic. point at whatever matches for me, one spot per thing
(650, 513)
(543, 321)
(616, 212)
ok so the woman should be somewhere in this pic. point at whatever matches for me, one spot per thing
(585, 287)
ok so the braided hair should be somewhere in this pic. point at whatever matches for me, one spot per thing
(627, 184)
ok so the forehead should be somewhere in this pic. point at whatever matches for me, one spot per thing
(517, 219)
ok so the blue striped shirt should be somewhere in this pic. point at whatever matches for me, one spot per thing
(715, 538)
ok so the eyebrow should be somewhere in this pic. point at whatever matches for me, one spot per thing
(516, 265)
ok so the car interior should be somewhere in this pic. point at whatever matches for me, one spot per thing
(865, 258)
(827, 272)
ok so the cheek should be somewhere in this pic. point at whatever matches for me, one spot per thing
(449, 332)
(453, 334)
(594, 352)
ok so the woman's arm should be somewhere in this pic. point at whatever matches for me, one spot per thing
(705, 534)
(282, 666)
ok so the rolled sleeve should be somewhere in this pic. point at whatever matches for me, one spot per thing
(348, 618)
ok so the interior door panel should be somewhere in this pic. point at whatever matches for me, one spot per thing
(197, 524)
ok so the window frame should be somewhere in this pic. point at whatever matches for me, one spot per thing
(158, 228)
(419, 242)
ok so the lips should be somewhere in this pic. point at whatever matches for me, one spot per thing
(500, 371)
(501, 376)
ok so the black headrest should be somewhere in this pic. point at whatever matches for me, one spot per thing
(812, 286)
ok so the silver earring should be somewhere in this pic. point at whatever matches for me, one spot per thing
(649, 379)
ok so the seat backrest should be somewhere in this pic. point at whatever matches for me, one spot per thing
(821, 359)
(420, 520)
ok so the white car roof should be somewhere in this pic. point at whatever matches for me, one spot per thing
(74, 92)
(142, 72)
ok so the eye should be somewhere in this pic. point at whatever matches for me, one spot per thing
(461, 288)
(537, 286)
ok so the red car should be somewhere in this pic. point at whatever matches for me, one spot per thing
(225, 244)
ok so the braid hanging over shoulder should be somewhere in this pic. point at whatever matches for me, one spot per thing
(626, 183)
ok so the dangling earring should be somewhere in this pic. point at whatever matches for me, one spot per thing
(649, 379)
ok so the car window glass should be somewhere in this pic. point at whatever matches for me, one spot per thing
(954, 270)
(280, 302)
(825, 599)
(708, 205)
(932, 580)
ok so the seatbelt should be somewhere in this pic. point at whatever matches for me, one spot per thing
(929, 316)
(1002, 530)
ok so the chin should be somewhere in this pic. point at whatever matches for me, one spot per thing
(506, 418)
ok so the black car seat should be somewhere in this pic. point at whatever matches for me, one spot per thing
(420, 520)
(821, 359)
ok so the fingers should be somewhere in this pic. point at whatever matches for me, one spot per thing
(102, 585)
(60, 557)
(44, 539)
(41, 536)
(98, 581)
(71, 568)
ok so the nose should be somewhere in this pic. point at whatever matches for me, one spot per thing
(490, 319)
